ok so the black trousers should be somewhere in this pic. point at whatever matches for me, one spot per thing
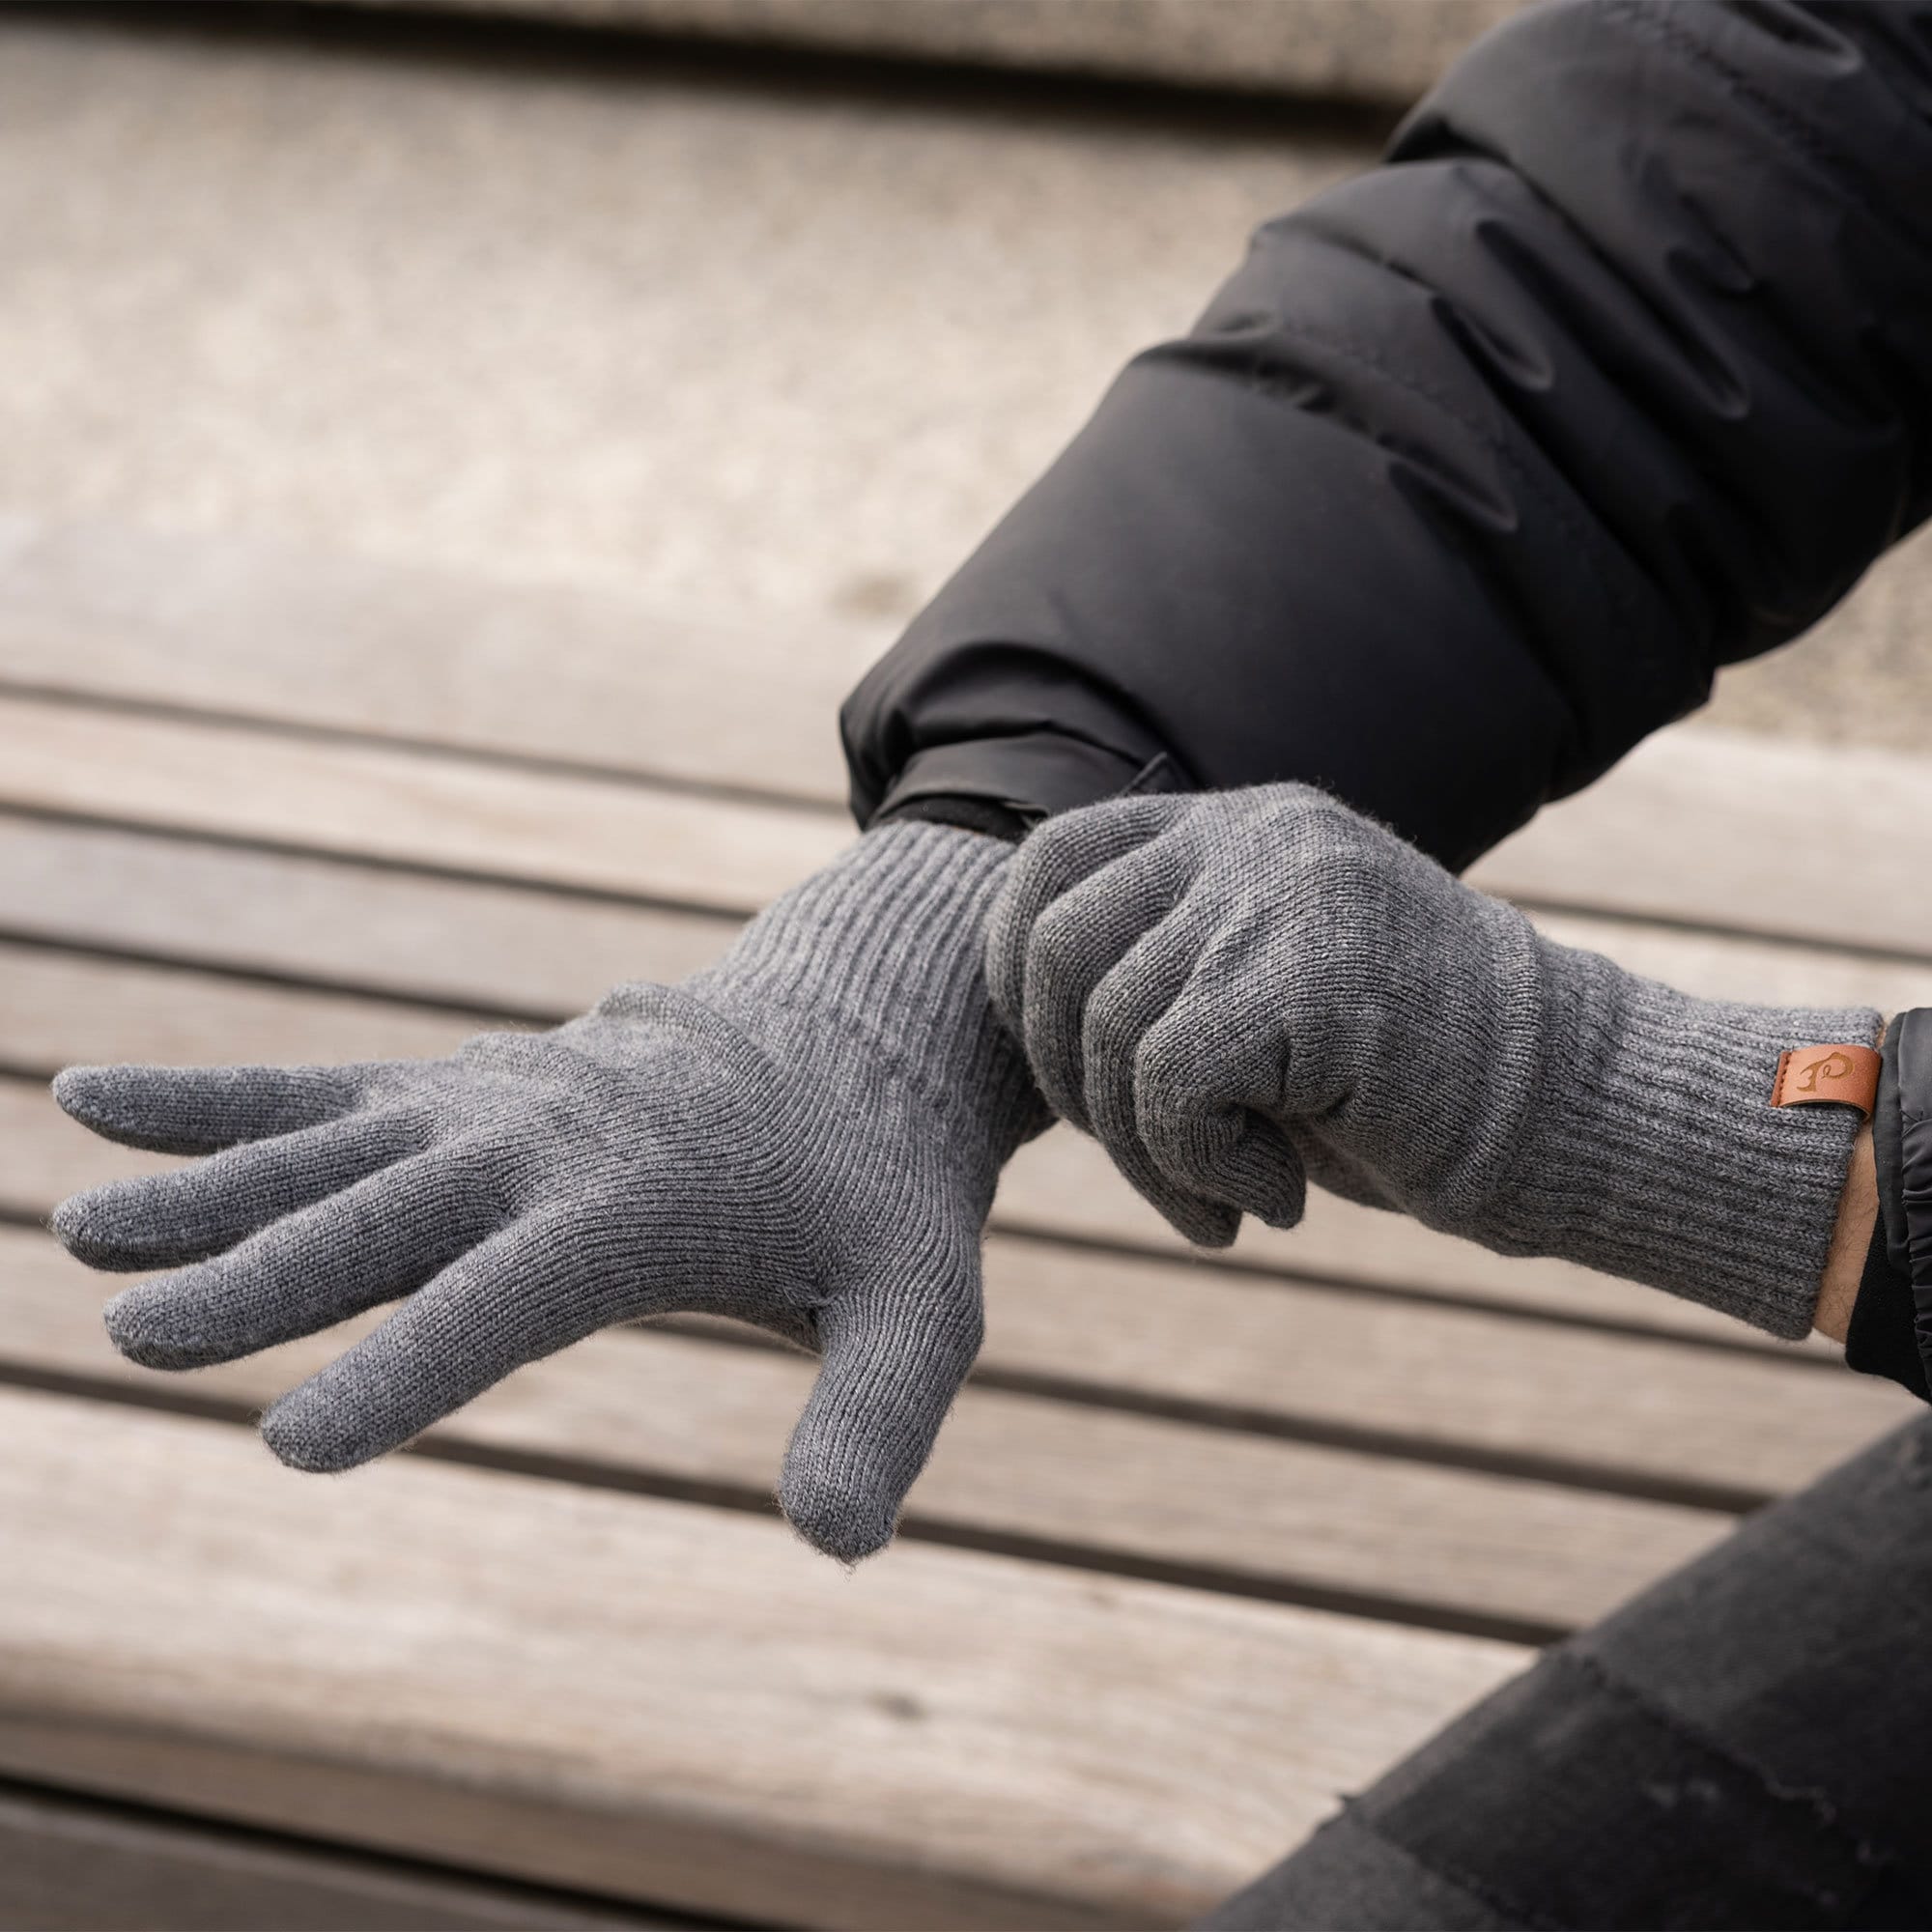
(1747, 1745)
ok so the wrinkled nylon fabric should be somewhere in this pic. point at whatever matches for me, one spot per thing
(1614, 371)
(1903, 1137)
(1741, 1747)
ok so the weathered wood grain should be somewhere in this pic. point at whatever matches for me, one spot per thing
(1717, 829)
(59, 1008)
(1439, 1379)
(1133, 1494)
(517, 949)
(1700, 825)
(70, 1865)
(665, 1702)
(251, 626)
(1732, 966)
(316, 918)
(1063, 1184)
(378, 802)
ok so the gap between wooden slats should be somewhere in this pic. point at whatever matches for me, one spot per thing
(70, 1864)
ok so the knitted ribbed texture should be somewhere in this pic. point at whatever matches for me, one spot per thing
(806, 1136)
(1654, 1150)
(887, 941)
(1237, 991)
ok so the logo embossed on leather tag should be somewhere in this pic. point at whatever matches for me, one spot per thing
(1847, 1075)
(1834, 1066)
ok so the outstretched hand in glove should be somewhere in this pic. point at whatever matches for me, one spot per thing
(806, 1136)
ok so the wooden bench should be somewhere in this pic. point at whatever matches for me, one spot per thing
(1206, 1543)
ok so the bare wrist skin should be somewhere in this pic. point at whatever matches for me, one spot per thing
(1851, 1236)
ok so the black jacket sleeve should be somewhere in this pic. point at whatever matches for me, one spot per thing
(1618, 368)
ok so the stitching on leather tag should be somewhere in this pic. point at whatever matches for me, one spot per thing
(1844, 1074)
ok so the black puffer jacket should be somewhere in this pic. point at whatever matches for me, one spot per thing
(1618, 369)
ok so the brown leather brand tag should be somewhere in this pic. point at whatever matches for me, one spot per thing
(1809, 1075)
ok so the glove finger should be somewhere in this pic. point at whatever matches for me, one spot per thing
(1075, 943)
(534, 1287)
(165, 1220)
(894, 1361)
(200, 1109)
(1124, 1006)
(1200, 1080)
(1051, 861)
(374, 1242)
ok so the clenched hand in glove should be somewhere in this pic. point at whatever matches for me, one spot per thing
(1238, 991)
(805, 1136)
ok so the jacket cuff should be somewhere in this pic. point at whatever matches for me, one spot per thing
(984, 815)
(1902, 1150)
(1882, 1339)
(1031, 776)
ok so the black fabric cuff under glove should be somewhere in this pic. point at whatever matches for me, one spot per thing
(1891, 1331)
(986, 815)
(1013, 817)
(1881, 1340)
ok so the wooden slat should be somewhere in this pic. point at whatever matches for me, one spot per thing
(1699, 825)
(70, 1865)
(402, 806)
(1063, 1184)
(1133, 1494)
(665, 1702)
(289, 914)
(1443, 1380)
(251, 626)
(1607, 1407)
(484, 945)
(1808, 841)
(1730, 966)
(1305, 49)
(504, 949)
(58, 1009)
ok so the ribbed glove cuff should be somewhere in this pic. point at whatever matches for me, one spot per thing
(890, 937)
(1653, 1150)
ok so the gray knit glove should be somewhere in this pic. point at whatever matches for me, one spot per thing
(806, 1136)
(1233, 991)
